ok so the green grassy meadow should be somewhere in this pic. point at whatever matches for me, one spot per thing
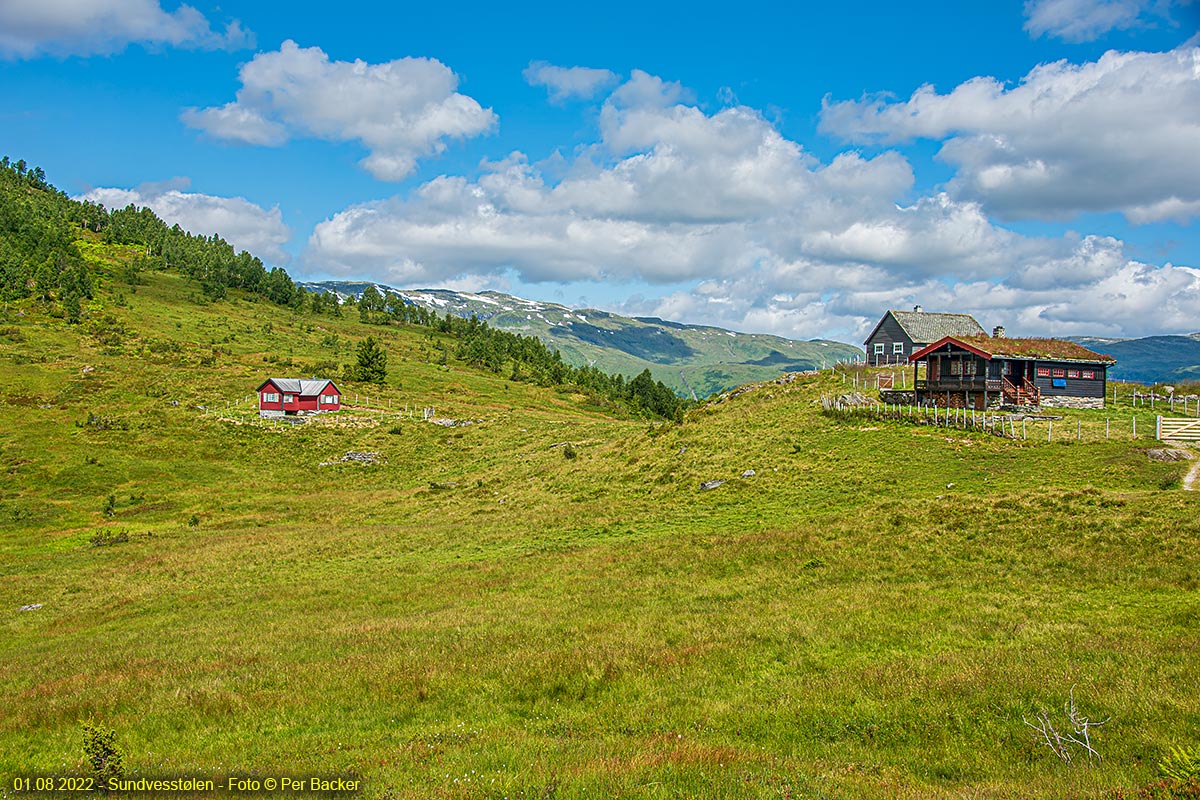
(870, 614)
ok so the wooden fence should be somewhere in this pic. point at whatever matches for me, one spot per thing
(1186, 430)
(1019, 426)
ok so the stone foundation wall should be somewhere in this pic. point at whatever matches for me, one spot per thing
(1072, 402)
(899, 397)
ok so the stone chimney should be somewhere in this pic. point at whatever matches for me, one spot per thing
(998, 332)
(917, 309)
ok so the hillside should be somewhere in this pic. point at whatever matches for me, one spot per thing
(1152, 359)
(544, 602)
(694, 360)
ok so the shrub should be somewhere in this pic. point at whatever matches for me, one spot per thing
(569, 451)
(105, 761)
(107, 538)
(193, 520)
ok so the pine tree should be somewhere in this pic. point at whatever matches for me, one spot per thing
(72, 308)
(372, 362)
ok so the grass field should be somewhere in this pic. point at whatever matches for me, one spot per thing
(872, 613)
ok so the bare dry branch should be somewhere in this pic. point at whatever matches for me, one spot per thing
(1061, 743)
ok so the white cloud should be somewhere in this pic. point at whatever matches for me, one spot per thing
(766, 236)
(1116, 134)
(243, 224)
(29, 28)
(565, 83)
(1088, 20)
(1081, 20)
(400, 110)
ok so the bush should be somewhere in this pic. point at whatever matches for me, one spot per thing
(569, 451)
(107, 538)
(105, 761)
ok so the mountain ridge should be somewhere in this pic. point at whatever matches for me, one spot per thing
(1150, 359)
(696, 360)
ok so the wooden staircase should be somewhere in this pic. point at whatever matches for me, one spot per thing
(1024, 393)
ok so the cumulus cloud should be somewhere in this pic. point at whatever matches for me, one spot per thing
(566, 83)
(30, 28)
(1117, 134)
(400, 110)
(764, 235)
(243, 224)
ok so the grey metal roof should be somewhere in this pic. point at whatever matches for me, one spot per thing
(300, 386)
(926, 327)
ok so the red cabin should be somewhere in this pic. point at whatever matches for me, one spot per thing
(278, 396)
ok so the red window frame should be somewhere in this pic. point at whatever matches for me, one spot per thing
(1043, 372)
(1059, 373)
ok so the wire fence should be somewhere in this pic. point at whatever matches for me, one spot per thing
(1018, 426)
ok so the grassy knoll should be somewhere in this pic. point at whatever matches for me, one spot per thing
(870, 614)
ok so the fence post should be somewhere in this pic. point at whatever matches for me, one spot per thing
(1158, 429)
(1106, 421)
(1135, 426)
(1078, 430)
(1023, 436)
(1050, 430)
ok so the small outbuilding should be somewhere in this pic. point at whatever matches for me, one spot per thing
(289, 396)
(901, 333)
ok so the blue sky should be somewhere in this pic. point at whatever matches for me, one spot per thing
(794, 172)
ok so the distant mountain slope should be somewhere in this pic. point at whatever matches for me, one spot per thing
(689, 358)
(1153, 359)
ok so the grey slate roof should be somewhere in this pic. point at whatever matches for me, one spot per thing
(926, 327)
(300, 386)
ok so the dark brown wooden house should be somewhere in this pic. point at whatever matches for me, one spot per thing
(901, 333)
(988, 371)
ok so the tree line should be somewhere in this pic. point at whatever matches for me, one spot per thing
(39, 258)
(521, 358)
(39, 226)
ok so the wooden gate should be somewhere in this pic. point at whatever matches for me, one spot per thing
(1187, 430)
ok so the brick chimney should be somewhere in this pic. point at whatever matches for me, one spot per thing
(998, 332)
(917, 309)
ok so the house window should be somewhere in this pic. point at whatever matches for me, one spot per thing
(289, 398)
(329, 399)
(270, 397)
(956, 367)
(879, 348)
(1072, 373)
(969, 367)
(898, 347)
(1059, 373)
(1089, 374)
(1043, 372)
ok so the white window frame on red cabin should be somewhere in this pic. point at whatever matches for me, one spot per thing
(270, 397)
(289, 398)
(329, 399)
